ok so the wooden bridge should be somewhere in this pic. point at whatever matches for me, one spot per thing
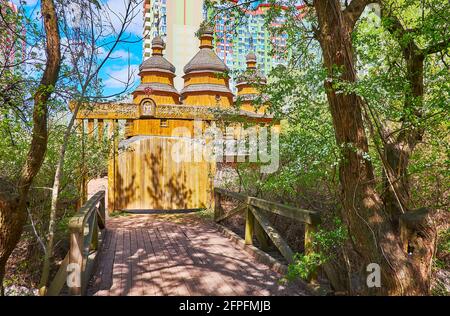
(178, 254)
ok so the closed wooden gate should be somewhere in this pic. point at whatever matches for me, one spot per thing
(152, 176)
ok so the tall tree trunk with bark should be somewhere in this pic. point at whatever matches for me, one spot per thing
(374, 235)
(13, 213)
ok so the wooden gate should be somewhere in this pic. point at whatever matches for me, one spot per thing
(151, 175)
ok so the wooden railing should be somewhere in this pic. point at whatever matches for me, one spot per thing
(77, 266)
(257, 223)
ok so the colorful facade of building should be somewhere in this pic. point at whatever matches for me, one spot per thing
(234, 41)
(177, 20)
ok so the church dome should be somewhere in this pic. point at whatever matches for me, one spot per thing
(251, 57)
(204, 83)
(157, 62)
(252, 75)
(157, 75)
(205, 60)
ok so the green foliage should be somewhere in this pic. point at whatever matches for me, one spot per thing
(304, 265)
(326, 244)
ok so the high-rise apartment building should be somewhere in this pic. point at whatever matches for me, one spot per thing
(234, 42)
(176, 21)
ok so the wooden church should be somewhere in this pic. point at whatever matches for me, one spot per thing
(164, 159)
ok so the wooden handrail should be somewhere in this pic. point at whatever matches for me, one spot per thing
(305, 216)
(85, 227)
(257, 223)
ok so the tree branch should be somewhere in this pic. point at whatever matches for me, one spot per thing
(354, 10)
(436, 48)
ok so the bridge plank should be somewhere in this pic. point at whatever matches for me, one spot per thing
(117, 266)
(152, 277)
(171, 278)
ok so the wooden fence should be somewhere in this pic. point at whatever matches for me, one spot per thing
(257, 223)
(77, 266)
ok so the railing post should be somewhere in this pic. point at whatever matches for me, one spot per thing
(249, 227)
(112, 166)
(218, 210)
(75, 268)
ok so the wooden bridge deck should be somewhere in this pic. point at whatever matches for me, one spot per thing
(178, 255)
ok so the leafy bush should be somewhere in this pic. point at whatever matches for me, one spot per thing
(325, 243)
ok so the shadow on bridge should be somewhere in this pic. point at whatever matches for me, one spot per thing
(151, 255)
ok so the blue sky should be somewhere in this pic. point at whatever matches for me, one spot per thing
(126, 57)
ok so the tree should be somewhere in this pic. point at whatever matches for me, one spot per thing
(90, 30)
(13, 213)
(401, 243)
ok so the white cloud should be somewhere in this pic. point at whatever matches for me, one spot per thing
(119, 77)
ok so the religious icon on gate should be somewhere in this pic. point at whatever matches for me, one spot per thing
(147, 108)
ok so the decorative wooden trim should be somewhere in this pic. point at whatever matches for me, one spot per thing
(107, 111)
(130, 111)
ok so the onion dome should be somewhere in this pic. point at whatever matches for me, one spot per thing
(247, 84)
(252, 75)
(205, 74)
(206, 59)
(157, 62)
(157, 75)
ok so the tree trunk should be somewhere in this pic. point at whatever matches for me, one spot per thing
(398, 150)
(374, 236)
(54, 204)
(11, 223)
(13, 213)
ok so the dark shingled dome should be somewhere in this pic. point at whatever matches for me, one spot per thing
(206, 30)
(205, 60)
(251, 75)
(158, 42)
(206, 87)
(157, 62)
(251, 57)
